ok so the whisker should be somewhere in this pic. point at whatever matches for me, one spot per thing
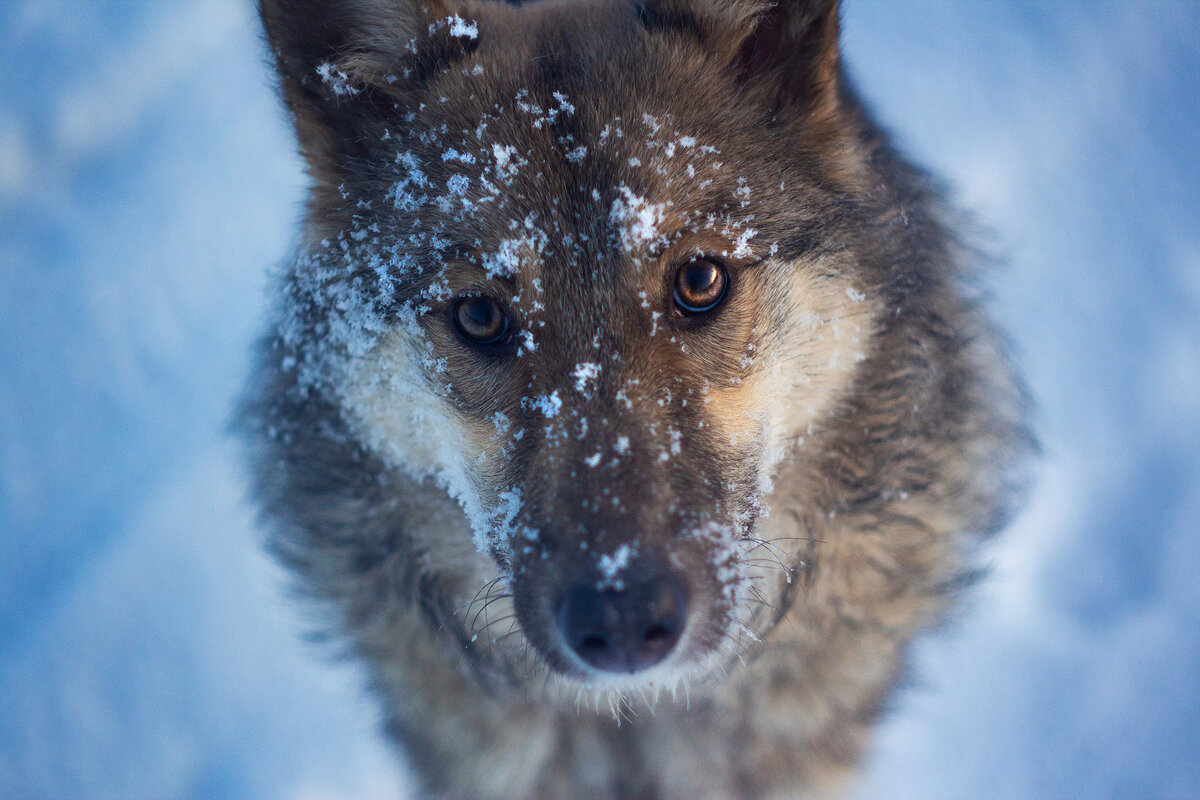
(486, 586)
(490, 623)
(798, 539)
(769, 545)
(512, 629)
(489, 599)
(757, 595)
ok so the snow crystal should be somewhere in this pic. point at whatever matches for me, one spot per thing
(338, 81)
(563, 105)
(726, 555)
(637, 219)
(453, 155)
(507, 161)
(508, 508)
(585, 372)
(412, 176)
(742, 245)
(506, 260)
(524, 104)
(548, 404)
(528, 344)
(463, 29)
(742, 192)
(611, 567)
(544, 117)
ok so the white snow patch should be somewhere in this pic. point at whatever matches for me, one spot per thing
(636, 219)
(727, 551)
(462, 28)
(454, 155)
(507, 161)
(507, 258)
(741, 247)
(505, 512)
(338, 81)
(544, 117)
(564, 106)
(528, 343)
(585, 372)
(612, 566)
(548, 404)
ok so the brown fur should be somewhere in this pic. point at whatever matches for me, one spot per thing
(819, 458)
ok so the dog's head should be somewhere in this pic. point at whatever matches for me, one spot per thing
(586, 265)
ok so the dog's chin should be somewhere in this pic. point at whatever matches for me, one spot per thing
(654, 679)
(625, 694)
(693, 665)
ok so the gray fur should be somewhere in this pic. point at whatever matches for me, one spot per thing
(909, 456)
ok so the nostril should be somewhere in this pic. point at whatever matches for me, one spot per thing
(627, 630)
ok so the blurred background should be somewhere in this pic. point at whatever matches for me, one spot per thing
(148, 648)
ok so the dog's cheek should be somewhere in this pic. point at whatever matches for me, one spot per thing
(825, 331)
(391, 404)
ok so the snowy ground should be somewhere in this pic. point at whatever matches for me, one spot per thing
(147, 180)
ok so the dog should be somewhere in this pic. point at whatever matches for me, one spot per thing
(629, 403)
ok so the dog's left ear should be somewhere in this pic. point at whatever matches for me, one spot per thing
(787, 50)
(348, 68)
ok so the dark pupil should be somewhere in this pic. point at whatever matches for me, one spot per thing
(480, 318)
(700, 285)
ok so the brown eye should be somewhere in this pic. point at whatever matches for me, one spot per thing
(700, 286)
(481, 320)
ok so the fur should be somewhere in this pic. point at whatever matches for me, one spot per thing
(817, 460)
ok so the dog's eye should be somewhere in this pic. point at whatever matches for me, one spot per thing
(481, 320)
(700, 286)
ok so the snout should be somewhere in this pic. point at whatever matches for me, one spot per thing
(624, 626)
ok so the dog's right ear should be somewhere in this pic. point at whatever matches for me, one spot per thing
(349, 67)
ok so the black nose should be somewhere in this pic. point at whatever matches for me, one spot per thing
(627, 629)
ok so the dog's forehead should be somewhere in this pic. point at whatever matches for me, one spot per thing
(551, 176)
(571, 166)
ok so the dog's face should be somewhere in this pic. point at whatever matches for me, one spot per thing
(580, 263)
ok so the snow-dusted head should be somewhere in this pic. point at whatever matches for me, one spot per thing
(602, 322)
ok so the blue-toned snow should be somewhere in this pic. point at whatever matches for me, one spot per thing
(147, 180)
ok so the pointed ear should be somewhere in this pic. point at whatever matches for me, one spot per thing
(787, 50)
(345, 66)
